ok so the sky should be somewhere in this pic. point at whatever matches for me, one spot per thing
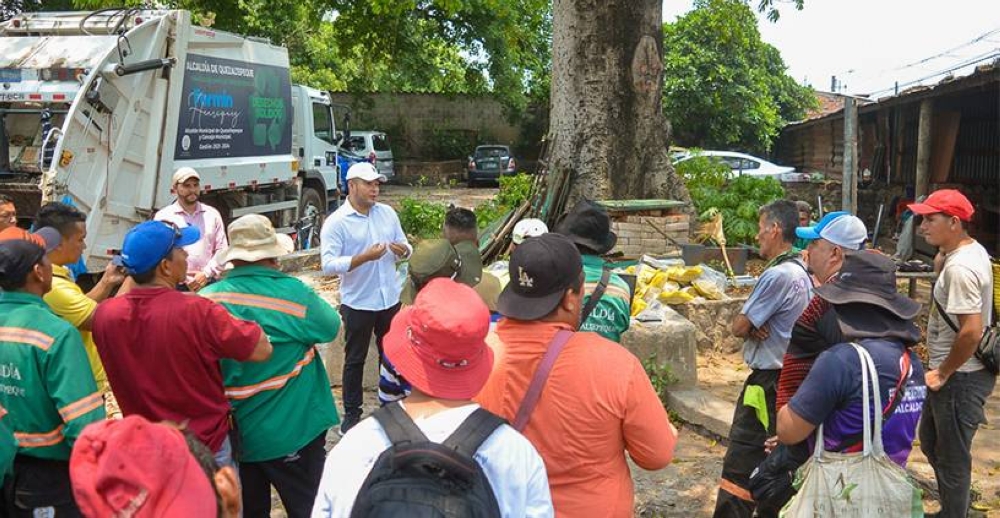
(871, 44)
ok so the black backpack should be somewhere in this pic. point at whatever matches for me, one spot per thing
(419, 478)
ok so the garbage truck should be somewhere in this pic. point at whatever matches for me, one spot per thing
(98, 109)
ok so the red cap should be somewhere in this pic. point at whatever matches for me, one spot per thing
(439, 343)
(948, 201)
(132, 467)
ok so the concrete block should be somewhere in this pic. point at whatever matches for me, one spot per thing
(701, 408)
(671, 341)
(675, 227)
(299, 261)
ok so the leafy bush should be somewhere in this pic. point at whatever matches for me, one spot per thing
(660, 375)
(738, 200)
(513, 191)
(422, 219)
(449, 144)
(705, 171)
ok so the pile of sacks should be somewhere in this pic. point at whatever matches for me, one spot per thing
(670, 281)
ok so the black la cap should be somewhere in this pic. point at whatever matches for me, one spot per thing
(541, 270)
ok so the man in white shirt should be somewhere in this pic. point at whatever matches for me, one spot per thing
(439, 345)
(957, 382)
(361, 242)
(187, 211)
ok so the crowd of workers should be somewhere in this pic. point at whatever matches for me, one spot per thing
(187, 381)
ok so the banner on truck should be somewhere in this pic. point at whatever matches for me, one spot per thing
(233, 109)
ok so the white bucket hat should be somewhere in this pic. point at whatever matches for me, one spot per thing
(252, 238)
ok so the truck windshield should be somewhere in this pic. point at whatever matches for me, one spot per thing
(322, 123)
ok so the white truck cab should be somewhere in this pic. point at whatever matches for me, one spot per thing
(98, 109)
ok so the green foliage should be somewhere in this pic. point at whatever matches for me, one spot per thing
(704, 171)
(422, 219)
(448, 144)
(661, 375)
(514, 190)
(724, 87)
(738, 201)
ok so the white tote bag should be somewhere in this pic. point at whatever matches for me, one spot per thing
(866, 484)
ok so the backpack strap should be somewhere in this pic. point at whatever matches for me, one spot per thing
(541, 376)
(943, 313)
(595, 297)
(471, 434)
(397, 424)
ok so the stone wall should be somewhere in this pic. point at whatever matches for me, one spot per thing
(712, 321)
(430, 173)
(410, 120)
(643, 232)
(671, 342)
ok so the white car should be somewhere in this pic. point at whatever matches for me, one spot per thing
(743, 164)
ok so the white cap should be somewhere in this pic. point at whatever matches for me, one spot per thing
(364, 171)
(184, 174)
(840, 228)
(526, 228)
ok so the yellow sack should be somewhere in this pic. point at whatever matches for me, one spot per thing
(675, 297)
(707, 289)
(658, 279)
(638, 305)
(684, 274)
(996, 287)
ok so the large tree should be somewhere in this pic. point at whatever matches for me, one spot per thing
(607, 130)
(724, 86)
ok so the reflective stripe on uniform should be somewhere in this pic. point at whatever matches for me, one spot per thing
(260, 301)
(613, 291)
(81, 406)
(274, 383)
(39, 440)
(735, 490)
(26, 336)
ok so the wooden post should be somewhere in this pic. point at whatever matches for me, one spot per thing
(924, 147)
(850, 185)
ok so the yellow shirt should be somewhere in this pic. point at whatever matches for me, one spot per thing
(74, 306)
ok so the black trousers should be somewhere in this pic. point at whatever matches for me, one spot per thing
(295, 477)
(359, 325)
(39, 487)
(746, 449)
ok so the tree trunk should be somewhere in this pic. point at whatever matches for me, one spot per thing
(607, 126)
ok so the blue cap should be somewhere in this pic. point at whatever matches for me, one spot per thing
(149, 243)
(840, 228)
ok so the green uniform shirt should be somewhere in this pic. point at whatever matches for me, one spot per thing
(610, 317)
(284, 403)
(46, 383)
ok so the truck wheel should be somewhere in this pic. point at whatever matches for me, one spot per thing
(312, 213)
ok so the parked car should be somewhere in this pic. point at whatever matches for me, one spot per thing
(489, 162)
(373, 145)
(744, 164)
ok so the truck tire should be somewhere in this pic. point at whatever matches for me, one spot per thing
(312, 213)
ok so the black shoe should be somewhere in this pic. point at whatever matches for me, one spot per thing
(349, 422)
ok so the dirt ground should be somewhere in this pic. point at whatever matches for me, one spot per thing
(687, 487)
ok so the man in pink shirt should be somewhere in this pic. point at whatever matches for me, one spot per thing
(187, 211)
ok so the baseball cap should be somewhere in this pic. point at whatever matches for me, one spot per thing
(439, 343)
(435, 258)
(150, 242)
(184, 174)
(840, 228)
(364, 171)
(541, 270)
(253, 238)
(526, 228)
(948, 201)
(46, 237)
(132, 467)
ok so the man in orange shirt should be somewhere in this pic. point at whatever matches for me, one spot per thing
(597, 401)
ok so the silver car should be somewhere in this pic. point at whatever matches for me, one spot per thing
(374, 146)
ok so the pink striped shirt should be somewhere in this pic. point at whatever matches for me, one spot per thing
(201, 255)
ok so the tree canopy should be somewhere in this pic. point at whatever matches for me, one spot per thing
(497, 47)
(723, 86)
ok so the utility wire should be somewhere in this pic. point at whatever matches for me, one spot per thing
(994, 53)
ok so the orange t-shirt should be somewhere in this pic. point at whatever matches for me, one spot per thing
(597, 404)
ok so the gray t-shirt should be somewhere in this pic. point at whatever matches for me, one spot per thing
(964, 287)
(778, 299)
